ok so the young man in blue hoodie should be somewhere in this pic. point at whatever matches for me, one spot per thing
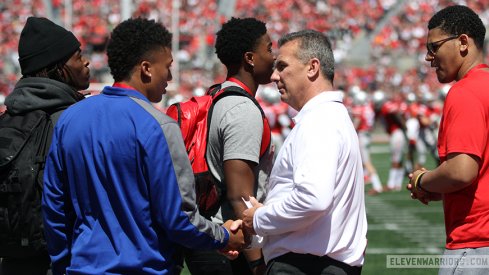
(118, 187)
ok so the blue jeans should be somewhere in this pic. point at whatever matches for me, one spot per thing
(462, 264)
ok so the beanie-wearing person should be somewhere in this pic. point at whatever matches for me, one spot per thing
(53, 72)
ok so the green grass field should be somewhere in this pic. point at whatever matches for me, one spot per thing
(399, 225)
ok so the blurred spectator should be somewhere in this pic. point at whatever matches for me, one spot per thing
(344, 21)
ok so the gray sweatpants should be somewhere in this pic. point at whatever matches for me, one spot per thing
(466, 261)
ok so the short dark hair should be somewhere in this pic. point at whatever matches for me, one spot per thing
(313, 44)
(132, 41)
(237, 36)
(457, 20)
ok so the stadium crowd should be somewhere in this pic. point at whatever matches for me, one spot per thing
(343, 21)
(383, 70)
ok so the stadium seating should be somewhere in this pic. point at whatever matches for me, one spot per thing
(345, 21)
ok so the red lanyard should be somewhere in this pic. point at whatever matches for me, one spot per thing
(241, 84)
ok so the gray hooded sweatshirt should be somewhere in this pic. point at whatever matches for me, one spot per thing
(39, 93)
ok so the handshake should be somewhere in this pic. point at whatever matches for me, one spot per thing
(238, 240)
(240, 231)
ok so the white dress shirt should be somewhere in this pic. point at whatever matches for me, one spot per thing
(316, 202)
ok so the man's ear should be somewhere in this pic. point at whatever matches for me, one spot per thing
(145, 70)
(464, 42)
(248, 56)
(314, 67)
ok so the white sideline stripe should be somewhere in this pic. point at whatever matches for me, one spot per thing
(379, 149)
(386, 216)
(395, 227)
(401, 251)
(400, 220)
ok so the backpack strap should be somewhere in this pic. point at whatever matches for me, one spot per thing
(46, 136)
(178, 115)
(217, 93)
(213, 89)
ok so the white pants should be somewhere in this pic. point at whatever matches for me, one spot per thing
(397, 144)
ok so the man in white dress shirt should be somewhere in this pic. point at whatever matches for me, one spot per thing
(313, 220)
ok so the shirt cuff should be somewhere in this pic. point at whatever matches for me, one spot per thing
(256, 223)
(225, 241)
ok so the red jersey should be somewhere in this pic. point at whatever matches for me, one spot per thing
(414, 109)
(423, 112)
(434, 112)
(389, 109)
(365, 116)
(276, 115)
(465, 129)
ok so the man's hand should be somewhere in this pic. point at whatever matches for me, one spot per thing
(423, 197)
(417, 193)
(253, 255)
(230, 254)
(248, 216)
(236, 241)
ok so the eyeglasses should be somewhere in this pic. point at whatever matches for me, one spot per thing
(434, 46)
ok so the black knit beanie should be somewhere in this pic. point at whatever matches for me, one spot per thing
(43, 43)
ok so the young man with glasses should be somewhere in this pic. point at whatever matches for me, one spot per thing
(455, 49)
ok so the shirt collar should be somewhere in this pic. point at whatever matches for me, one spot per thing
(475, 68)
(321, 98)
(124, 91)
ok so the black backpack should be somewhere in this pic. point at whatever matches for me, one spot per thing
(24, 142)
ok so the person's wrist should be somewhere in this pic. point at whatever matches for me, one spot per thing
(417, 182)
(256, 263)
(255, 220)
(227, 237)
(226, 232)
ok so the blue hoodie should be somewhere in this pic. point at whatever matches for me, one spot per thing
(119, 189)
